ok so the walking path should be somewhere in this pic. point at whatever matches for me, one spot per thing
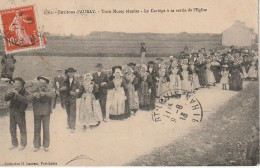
(112, 143)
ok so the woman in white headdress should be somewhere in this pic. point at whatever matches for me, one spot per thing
(144, 89)
(119, 105)
(131, 82)
(163, 80)
(89, 108)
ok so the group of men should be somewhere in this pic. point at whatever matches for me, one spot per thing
(43, 99)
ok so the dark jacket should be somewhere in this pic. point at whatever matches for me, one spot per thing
(100, 79)
(43, 104)
(72, 87)
(19, 102)
(60, 80)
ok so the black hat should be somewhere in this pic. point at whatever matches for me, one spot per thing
(71, 70)
(159, 59)
(151, 62)
(43, 78)
(142, 43)
(131, 64)
(19, 79)
(99, 65)
(116, 67)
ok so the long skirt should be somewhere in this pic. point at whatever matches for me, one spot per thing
(210, 76)
(202, 77)
(144, 96)
(89, 110)
(252, 72)
(235, 81)
(195, 84)
(132, 97)
(162, 87)
(175, 82)
(118, 109)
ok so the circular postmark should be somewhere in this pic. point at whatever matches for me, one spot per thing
(177, 106)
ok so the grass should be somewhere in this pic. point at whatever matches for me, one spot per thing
(221, 140)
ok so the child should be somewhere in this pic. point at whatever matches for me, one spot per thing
(224, 78)
(175, 76)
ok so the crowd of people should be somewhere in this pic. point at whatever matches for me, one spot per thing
(120, 94)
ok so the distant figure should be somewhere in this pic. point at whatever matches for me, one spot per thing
(8, 66)
(142, 51)
(18, 105)
(57, 84)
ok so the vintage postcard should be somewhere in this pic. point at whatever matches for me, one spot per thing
(129, 83)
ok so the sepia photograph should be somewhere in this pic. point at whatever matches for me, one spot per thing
(129, 83)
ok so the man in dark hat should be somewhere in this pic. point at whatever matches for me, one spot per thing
(18, 104)
(57, 84)
(142, 51)
(41, 99)
(101, 80)
(72, 90)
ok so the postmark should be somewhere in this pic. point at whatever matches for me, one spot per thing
(21, 29)
(177, 106)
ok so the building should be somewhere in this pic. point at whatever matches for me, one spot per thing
(238, 35)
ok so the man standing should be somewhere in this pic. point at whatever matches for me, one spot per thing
(42, 108)
(101, 80)
(57, 84)
(18, 105)
(72, 90)
(142, 51)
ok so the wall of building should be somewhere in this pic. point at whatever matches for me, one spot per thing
(238, 35)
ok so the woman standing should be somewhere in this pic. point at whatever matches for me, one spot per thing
(210, 76)
(235, 80)
(186, 82)
(144, 89)
(200, 65)
(252, 72)
(131, 82)
(216, 68)
(194, 77)
(89, 108)
(153, 79)
(163, 80)
(119, 106)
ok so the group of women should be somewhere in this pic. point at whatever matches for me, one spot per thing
(137, 86)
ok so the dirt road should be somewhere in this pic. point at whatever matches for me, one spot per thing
(112, 143)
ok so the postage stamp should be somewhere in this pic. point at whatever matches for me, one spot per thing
(20, 28)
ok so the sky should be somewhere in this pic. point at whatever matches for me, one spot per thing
(220, 15)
